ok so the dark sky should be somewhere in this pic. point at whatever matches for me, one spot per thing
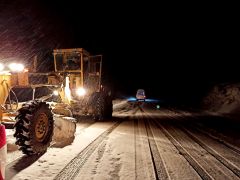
(172, 51)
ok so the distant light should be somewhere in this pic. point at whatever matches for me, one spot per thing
(152, 100)
(81, 91)
(158, 106)
(16, 67)
(55, 93)
(67, 90)
(1, 66)
(131, 99)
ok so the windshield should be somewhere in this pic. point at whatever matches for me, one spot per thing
(141, 92)
(68, 61)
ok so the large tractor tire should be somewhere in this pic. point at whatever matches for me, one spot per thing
(34, 127)
(102, 106)
(98, 107)
(108, 109)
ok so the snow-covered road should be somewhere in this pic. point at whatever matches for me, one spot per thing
(140, 142)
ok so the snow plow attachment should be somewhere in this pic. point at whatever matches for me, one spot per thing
(64, 131)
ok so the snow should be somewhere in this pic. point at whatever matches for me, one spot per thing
(125, 153)
(223, 99)
(64, 131)
(115, 161)
(177, 166)
(57, 158)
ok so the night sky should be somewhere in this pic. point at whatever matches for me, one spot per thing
(173, 52)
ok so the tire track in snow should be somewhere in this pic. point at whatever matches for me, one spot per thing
(159, 166)
(211, 151)
(208, 132)
(71, 170)
(230, 146)
(192, 161)
(144, 168)
(136, 134)
(228, 164)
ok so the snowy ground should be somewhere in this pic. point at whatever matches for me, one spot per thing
(224, 99)
(140, 142)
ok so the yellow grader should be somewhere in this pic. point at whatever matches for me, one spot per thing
(74, 89)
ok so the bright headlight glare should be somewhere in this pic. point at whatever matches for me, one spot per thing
(1, 66)
(16, 67)
(55, 93)
(81, 91)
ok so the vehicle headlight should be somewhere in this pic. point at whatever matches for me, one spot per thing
(81, 91)
(1, 66)
(16, 67)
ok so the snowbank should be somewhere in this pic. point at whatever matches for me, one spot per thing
(224, 99)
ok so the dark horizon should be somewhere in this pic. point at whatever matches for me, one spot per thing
(173, 54)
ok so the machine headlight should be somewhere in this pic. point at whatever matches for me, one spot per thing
(81, 91)
(1, 66)
(16, 67)
(55, 93)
